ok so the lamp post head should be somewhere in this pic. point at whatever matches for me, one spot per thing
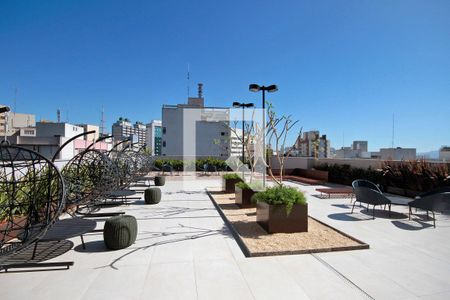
(272, 88)
(254, 87)
(4, 109)
(248, 104)
(236, 104)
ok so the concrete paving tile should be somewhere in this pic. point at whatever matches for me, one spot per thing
(220, 279)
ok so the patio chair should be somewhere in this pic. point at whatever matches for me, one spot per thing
(433, 201)
(32, 196)
(167, 168)
(368, 192)
(364, 183)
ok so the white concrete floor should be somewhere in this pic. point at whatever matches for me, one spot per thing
(184, 251)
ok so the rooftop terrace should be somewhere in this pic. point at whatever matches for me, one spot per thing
(184, 250)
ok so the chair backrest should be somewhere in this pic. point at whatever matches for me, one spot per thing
(89, 176)
(365, 183)
(370, 196)
(444, 189)
(32, 196)
(433, 202)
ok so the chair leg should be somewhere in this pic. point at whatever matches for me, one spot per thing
(389, 205)
(373, 212)
(434, 219)
(353, 206)
(428, 216)
(82, 242)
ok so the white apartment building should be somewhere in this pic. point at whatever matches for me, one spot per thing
(47, 137)
(195, 130)
(123, 129)
(15, 122)
(358, 150)
(312, 145)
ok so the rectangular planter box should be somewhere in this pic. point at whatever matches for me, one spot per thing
(228, 185)
(273, 218)
(243, 197)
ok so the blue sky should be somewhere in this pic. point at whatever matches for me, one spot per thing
(343, 67)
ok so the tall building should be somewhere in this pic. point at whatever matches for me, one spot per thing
(16, 121)
(360, 146)
(208, 128)
(358, 150)
(444, 153)
(123, 129)
(90, 137)
(154, 136)
(313, 145)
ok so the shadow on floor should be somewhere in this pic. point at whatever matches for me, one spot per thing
(191, 233)
(347, 216)
(384, 214)
(344, 206)
(412, 225)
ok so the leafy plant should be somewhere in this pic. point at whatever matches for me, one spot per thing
(256, 185)
(231, 176)
(281, 195)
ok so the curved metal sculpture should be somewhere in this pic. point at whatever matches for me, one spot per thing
(32, 196)
(89, 176)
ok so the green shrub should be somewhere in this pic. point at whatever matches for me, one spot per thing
(416, 175)
(231, 176)
(178, 164)
(281, 195)
(256, 185)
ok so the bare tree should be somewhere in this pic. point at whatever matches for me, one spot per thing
(278, 128)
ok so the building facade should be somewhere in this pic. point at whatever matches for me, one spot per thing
(398, 153)
(358, 150)
(195, 130)
(311, 144)
(444, 153)
(153, 138)
(15, 122)
(124, 129)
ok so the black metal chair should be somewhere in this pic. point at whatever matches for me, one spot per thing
(434, 201)
(369, 193)
(167, 168)
(32, 196)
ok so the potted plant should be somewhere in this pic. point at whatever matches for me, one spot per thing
(229, 181)
(244, 193)
(281, 209)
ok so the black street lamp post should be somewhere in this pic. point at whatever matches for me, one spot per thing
(271, 89)
(243, 105)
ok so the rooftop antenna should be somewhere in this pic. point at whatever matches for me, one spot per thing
(58, 115)
(102, 122)
(16, 90)
(188, 81)
(393, 129)
(343, 140)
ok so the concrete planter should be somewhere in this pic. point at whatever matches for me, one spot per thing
(228, 185)
(15, 229)
(243, 197)
(273, 218)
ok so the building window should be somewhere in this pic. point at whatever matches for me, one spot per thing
(164, 143)
(164, 130)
